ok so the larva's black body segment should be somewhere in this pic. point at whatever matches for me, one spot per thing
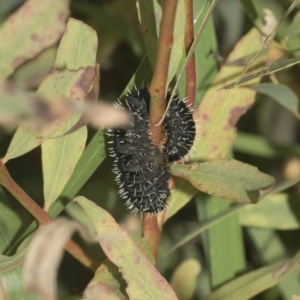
(180, 130)
(142, 170)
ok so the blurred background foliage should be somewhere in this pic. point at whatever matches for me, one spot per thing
(268, 138)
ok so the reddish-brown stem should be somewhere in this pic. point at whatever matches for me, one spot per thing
(41, 216)
(158, 83)
(191, 67)
(36, 211)
(157, 89)
(151, 233)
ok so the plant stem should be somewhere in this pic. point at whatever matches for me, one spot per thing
(157, 89)
(29, 204)
(158, 83)
(41, 216)
(191, 67)
(151, 233)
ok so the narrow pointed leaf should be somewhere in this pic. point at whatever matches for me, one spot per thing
(277, 66)
(251, 284)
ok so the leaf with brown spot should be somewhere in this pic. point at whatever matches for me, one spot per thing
(143, 280)
(227, 179)
(59, 156)
(35, 26)
(71, 83)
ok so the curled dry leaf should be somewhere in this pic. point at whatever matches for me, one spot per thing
(104, 115)
(35, 112)
(45, 253)
(17, 105)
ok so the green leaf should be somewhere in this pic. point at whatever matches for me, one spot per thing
(77, 50)
(150, 15)
(184, 278)
(208, 223)
(78, 47)
(279, 211)
(10, 222)
(33, 27)
(59, 158)
(226, 179)
(260, 146)
(280, 93)
(143, 280)
(11, 274)
(216, 247)
(73, 83)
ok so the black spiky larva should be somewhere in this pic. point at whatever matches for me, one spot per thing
(142, 170)
(180, 129)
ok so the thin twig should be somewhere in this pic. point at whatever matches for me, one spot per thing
(41, 216)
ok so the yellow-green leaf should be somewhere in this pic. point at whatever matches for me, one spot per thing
(59, 157)
(74, 82)
(77, 51)
(143, 280)
(184, 278)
